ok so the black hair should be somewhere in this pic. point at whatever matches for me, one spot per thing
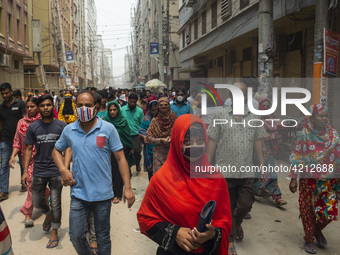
(111, 96)
(33, 100)
(251, 82)
(103, 93)
(150, 105)
(98, 98)
(17, 93)
(181, 90)
(94, 88)
(88, 92)
(36, 91)
(142, 95)
(5, 86)
(133, 96)
(43, 98)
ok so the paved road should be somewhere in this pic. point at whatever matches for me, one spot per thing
(270, 231)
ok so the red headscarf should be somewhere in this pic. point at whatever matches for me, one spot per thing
(150, 98)
(172, 196)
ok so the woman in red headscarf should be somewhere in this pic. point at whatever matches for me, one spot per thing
(174, 198)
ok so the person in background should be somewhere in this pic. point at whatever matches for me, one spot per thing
(173, 201)
(93, 90)
(44, 133)
(148, 93)
(111, 96)
(235, 147)
(250, 82)
(74, 95)
(134, 116)
(67, 112)
(159, 132)
(36, 93)
(127, 93)
(269, 186)
(141, 97)
(54, 98)
(148, 147)
(103, 104)
(17, 94)
(318, 148)
(151, 98)
(5, 240)
(11, 111)
(122, 100)
(115, 117)
(60, 100)
(179, 106)
(32, 115)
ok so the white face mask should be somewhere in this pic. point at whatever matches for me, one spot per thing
(86, 114)
(180, 99)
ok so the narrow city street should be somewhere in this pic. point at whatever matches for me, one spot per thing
(270, 231)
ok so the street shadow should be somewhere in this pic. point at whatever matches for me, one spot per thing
(268, 201)
(14, 211)
(13, 188)
(37, 234)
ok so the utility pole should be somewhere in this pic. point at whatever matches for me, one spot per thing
(320, 81)
(160, 42)
(61, 38)
(57, 42)
(265, 63)
(91, 63)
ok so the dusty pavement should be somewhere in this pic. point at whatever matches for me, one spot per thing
(270, 231)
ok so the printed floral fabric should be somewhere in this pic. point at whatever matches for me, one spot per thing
(319, 150)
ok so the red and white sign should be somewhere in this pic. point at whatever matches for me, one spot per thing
(331, 51)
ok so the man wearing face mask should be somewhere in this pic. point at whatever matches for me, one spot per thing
(179, 106)
(44, 133)
(90, 178)
(234, 146)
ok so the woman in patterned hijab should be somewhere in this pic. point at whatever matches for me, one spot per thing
(159, 132)
(316, 159)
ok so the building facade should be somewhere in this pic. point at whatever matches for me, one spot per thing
(15, 40)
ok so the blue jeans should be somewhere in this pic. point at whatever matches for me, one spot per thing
(5, 154)
(79, 217)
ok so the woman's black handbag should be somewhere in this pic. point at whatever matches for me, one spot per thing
(206, 216)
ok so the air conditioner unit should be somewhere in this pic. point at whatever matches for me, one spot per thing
(4, 60)
(190, 3)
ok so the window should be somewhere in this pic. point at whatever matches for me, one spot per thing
(247, 54)
(188, 34)
(220, 61)
(195, 29)
(183, 39)
(19, 30)
(16, 64)
(2, 23)
(214, 14)
(243, 3)
(26, 31)
(204, 22)
(225, 9)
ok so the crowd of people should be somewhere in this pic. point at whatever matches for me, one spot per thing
(90, 140)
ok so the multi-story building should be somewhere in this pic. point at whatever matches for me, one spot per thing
(15, 40)
(90, 41)
(219, 39)
(147, 31)
(56, 19)
(108, 65)
(79, 50)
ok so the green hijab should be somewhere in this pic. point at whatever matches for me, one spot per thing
(120, 124)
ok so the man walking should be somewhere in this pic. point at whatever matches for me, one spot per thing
(134, 116)
(179, 106)
(234, 145)
(90, 138)
(11, 111)
(44, 133)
